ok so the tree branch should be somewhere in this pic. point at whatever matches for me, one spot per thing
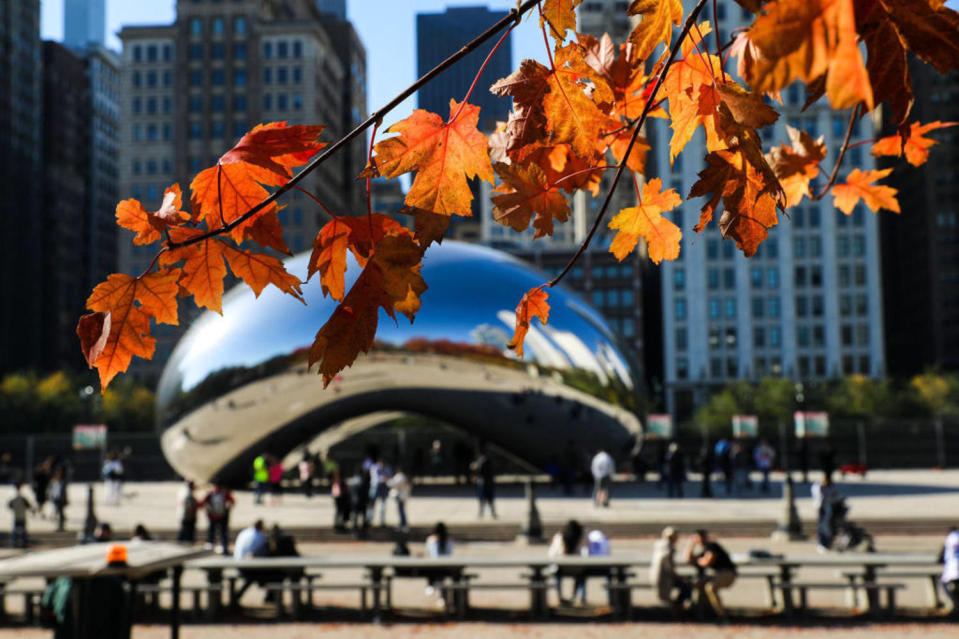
(690, 21)
(512, 18)
(842, 153)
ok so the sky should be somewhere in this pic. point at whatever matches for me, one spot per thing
(387, 28)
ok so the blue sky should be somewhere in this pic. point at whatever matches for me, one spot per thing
(387, 28)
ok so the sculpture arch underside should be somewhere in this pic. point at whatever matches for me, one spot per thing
(237, 385)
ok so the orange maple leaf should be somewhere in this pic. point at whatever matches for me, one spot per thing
(131, 303)
(532, 305)
(915, 146)
(655, 26)
(797, 164)
(391, 280)
(524, 193)
(443, 154)
(646, 221)
(571, 115)
(859, 185)
(259, 270)
(148, 226)
(93, 329)
(807, 40)
(527, 86)
(559, 15)
(203, 267)
(358, 234)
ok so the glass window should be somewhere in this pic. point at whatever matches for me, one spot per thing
(152, 132)
(239, 24)
(239, 77)
(820, 365)
(136, 105)
(864, 364)
(239, 51)
(730, 307)
(802, 335)
(858, 216)
(860, 272)
(216, 129)
(845, 334)
(845, 305)
(712, 249)
(136, 167)
(626, 296)
(773, 277)
(818, 335)
(196, 26)
(267, 75)
(137, 132)
(758, 307)
(799, 217)
(297, 75)
(775, 337)
(267, 101)
(681, 339)
(167, 79)
(196, 51)
(195, 164)
(799, 247)
(815, 275)
(151, 78)
(217, 77)
(771, 247)
(152, 53)
(217, 51)
(682, 368)
(756, 275)
(196, 104)
(862, 334)
(817, 305)
(844, 275)
(800, 276)
(713, 309)
(151, 167)
(239, 128)
(151, 192)
(802, 306)
(773, 307)
(137, 53)
(862, 305)
(167, 52)
(217, 103)
(216, 26)
(732, 367)
(680, 309)
(728, 250)
(729, 278)
(136, 79)
(196, 130)
(842, 245)
(196, 78)
(281, 75)
(239, 103)
(815, 246)
(679, 279)
(282, 49)
(760, 365)
(297, 49)
(267, 49)
(803, 366)
(281, 101)
(167, 131)
(814, 217)
(712, 278)
(716, 367)
(759, 337)
(859, 245)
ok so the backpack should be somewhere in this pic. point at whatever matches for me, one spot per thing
(218, 505)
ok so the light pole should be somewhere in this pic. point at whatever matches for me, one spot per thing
(789, 527)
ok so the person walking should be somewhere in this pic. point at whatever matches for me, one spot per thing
(379, 490)
(675, 471)
(950, 570)
(306, 469)
(400, 489)
(261, 477)
(662, 571)
(275, 469)
(217, 504)
(824, 498)
(706, 462)
(724, 461)
(41, 483)
(186, 510)
(482, 469)
(113, 477)
(718, 569)
(57, 492)
(359, 491)
(602, 468)
(765, 457)
(19, 506)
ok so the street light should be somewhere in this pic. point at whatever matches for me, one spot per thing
(789, 526)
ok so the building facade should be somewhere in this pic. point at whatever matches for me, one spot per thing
(807, 306)
(21, 146)
(84, 23)
(921, 246)
(193, 88)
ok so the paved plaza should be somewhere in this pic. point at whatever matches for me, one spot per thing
(906, 496)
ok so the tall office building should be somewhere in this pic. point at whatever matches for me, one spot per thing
(84, 23)
(333, 7)
(921, 245)
(807, 306)
(192, 88)
(21, 145)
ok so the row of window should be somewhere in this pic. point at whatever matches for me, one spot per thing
(807, 366)
(282, 75)
(217, 51)
(283, 49)
(283, 101)
(218, 26)
(217, 103)
(613, 298)
(152, 53)
(152, 132)
(152, 79)
(152, 105)
(216, 129)
(152, 167)
(217, 77)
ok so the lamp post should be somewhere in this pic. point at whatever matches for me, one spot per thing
(789, 527)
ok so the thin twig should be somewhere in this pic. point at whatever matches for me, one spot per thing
(219, 194)
(581, 171)
(719, 44)
(480, 72)
(317, 200)
(474, 44)
(842, 154)
(369, 193)
(690, 21)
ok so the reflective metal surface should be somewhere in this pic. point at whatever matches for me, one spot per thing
(237, 385)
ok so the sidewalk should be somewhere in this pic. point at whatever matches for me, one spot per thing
(919, 498)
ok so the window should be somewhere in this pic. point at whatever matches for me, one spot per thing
(713, 309)
(804, 367)
(216, 26)
(217, 77)
(732, 367)
(167, 131)
(712, 249)
(196, 78)
(216, 51)
(758, 307)
(800, 276)
(195, 130)
(775, 337)
(715, 367)
(681, 339)
(802, 336)
(196, 104)
(267, 75)
(136, 167)
(799, 247)
(267, 101)
(680, 309)
(860, 272)
(679, 279)
(817, 305)
(842, 245)
(195, 164)
(196, 26)
(845, 305)
(239, 128)
(728, 250)
(773, 307)
(137, 53)
(167, 52)
(152, 132)
(771, 247)
(773, 277)
(820, 365)
(239, 103)
(297, 75)
(137, 133)
(802, 306)
(151, 78)
(196, 51)
(814, 217)
(815, 246)
(682, 368)
(267, 49)
(152, 53)
(167, 79)
(217, 103)
(167, 166)
(862, 305)
(729, 278)
(712, 278)
(239, 25)
(756, 275)
(239, 51)
(862, 334)
(216, 129)
(844, 275)
(151, 192)
(759, 337)
(730, 307)
(281, 101)
(297, 49)
(714, 337)
(845, 334)
(818, 336)
(151, 167)
(864, 364)
(282, 49)
(239, 77)
(136, 105)
(759, 364)
(815, 276)
(598, 298)
(859, 245)
(136, 79)
(281, 75)
(626, 297)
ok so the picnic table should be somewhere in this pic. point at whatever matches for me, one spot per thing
(88, 562)
(453, 567)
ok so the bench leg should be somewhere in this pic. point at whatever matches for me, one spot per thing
(297, 603)
(890, 602)
(28, 608)
(363, 599)
(852, 594)
(804, 601)
(787, 595)
(934, 597)
(771, 591)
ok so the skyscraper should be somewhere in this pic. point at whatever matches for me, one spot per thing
(192, 88)
(21, 128)
(84, 23)
(920, 246)
(807, 306)
(335, 8)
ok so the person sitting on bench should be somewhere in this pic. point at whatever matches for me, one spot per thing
(717, 569)
(250, 543)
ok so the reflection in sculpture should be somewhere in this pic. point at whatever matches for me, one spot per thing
(238, 384)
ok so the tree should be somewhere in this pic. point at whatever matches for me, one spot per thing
(589, 100)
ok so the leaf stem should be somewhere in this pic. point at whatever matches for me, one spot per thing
(719, 45)
(581, 171)
(690, 21)
(219, 193)
(153, 263)
(317, 200)
(842, 154)
(369, 196)
(474, 44)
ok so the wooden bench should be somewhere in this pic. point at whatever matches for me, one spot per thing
(803, 587)
(150, 594)
(930, 576)
(31, 602)
(309, 585)
(456, 593)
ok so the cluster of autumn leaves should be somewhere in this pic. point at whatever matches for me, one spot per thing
(567, 118)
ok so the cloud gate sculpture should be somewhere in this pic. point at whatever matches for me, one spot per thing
(237, 384)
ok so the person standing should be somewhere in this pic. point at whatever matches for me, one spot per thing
(950, 571)
(275, 469)
(217, 504)
(482, 469)
(724, 462)
(602, 468)
(307, 468)
(675, 471)
(436, 458)
(400, 490)
(718, 568)
(19, 506)
(57, 491)
(662, 570)
(379, 490)
(706, 463)
(824, 498)
(113, 476)
(41, 483)
(359, 491)
(765, 457)
(186, 508)
(261, 477)
(340, 493)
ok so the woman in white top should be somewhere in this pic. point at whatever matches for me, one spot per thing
(570, 542)
(438, 544)
(399, 485)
